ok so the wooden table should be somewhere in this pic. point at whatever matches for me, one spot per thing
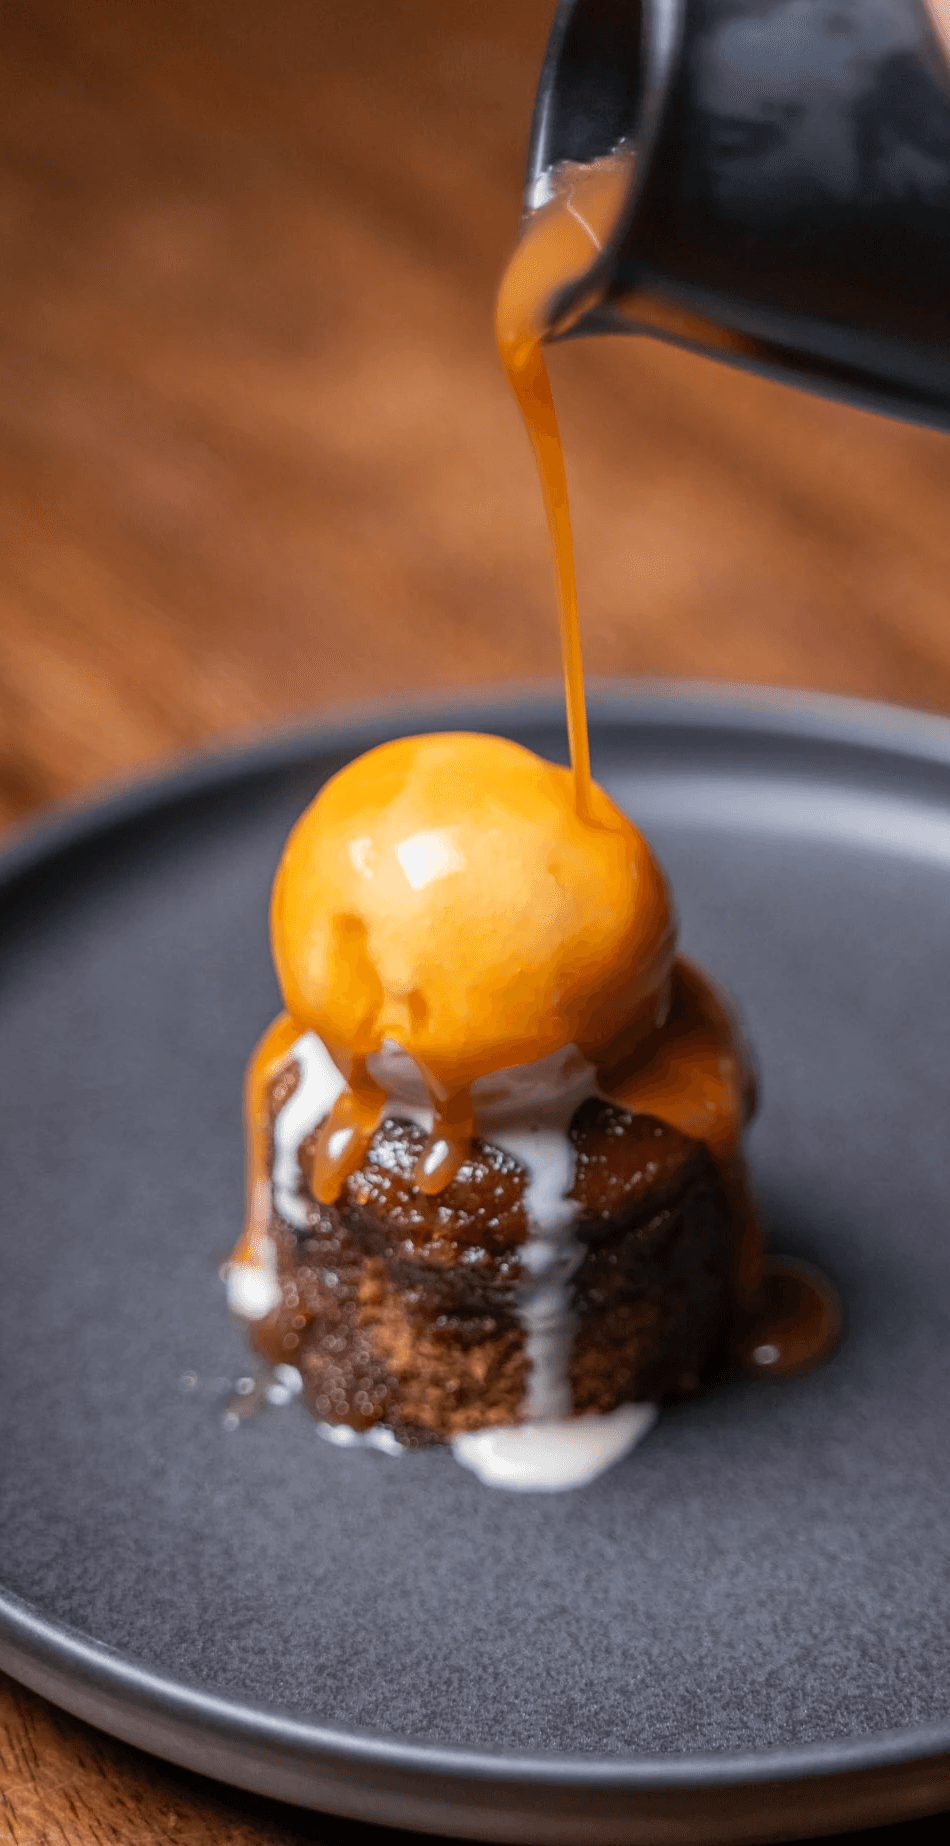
(257, 457)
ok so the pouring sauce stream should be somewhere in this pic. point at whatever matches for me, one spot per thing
(695, 1076)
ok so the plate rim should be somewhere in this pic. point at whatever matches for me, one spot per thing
(81, 1674)
(44, 1647)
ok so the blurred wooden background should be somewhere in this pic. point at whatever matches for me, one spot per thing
(257, 457)
(257, 454)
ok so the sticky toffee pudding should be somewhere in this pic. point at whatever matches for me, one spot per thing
(497, 1197)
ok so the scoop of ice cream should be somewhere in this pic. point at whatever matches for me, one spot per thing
(442, 893)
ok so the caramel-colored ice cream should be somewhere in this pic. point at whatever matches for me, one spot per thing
(441, 894)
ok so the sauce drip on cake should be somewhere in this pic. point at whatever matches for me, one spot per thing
(476, 941)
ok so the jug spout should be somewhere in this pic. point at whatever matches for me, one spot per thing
(788, 206)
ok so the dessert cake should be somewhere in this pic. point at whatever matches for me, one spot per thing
(434, 1318)
(450, 1241)
(496, 1189)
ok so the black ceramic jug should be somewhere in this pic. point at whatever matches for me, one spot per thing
(789, 201)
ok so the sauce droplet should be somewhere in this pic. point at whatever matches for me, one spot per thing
(794, 1323)
(347, 1132)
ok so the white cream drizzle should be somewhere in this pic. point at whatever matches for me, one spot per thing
(253, 1288)
(551, 1450)
(343, 1437)
(551, 1255)
(318, 1086)
(551, 1457)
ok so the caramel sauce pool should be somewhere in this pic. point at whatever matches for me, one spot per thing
(660, 1037)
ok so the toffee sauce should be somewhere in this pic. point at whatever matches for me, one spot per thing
(695, 1075)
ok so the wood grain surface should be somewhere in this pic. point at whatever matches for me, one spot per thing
(257, 457)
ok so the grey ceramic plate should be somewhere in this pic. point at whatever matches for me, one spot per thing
(743, 1629)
